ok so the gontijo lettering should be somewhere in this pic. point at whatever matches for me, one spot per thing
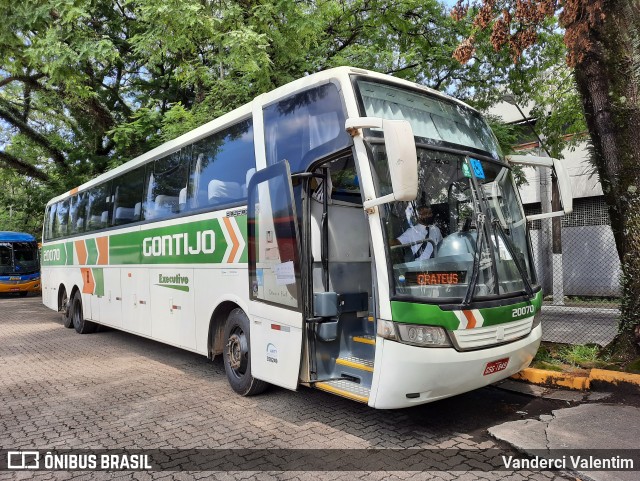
(180, 244)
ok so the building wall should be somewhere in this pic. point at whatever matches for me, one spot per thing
(590, 260)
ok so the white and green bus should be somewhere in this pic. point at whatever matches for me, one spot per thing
(349, 231)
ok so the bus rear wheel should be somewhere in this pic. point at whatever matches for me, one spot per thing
(80, 324)
(237, 355)
(65, 309)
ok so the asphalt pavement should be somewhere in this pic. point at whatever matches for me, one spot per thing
(573, 437)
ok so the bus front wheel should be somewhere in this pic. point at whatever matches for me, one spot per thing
(237, 355)
(80, 324)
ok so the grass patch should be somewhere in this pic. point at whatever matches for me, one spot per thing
(563, 357)
(582, 356)
(634, 366)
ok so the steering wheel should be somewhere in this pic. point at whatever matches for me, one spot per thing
(420, 242)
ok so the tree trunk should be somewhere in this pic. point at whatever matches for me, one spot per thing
(607, 79)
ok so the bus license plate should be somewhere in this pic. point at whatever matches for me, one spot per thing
(495, 366)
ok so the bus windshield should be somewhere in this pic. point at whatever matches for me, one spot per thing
(459, 239)
(18, 258)
(434, 121)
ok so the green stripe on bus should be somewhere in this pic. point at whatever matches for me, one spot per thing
(57, 254)
(415, 313)
(176, 287)
(242, 225)
(200, 242)
(92, 252)
(98, 277)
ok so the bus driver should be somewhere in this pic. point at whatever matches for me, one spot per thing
(424, 231)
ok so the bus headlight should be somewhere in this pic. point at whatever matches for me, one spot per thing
(414, 334)
(427, 336)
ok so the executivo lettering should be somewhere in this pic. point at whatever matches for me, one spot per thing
(177, 279)
(178, 282)
(202, 242)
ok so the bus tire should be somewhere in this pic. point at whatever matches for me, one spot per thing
(80, 324)
(65, 309)
(237, 355)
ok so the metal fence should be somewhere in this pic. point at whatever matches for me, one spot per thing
(581, 285)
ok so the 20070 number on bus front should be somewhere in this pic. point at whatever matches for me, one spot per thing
(496, 366)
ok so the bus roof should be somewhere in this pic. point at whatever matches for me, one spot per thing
(8, 236)
(246, 111)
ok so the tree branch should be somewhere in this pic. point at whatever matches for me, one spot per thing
(37, 137)
(408, 67)
(22, 167)
(29, 79)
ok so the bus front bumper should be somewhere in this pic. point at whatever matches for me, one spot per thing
(20, 286)
(408, 375)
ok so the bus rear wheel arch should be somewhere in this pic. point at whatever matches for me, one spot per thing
(236, 354)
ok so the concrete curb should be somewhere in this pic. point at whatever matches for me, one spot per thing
(577, 382)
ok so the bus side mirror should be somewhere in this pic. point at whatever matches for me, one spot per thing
(401, 156)
(564, 183)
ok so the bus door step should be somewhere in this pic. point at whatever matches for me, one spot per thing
(356, 363)
(365, 339)
(347, 389)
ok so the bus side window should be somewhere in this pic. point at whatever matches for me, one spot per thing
(305, 127)
(221, 164)
(73, 214)
(49, 221)
(82, 210)
(62, 215)
(128, 197)
(99, 202)
(166, 177)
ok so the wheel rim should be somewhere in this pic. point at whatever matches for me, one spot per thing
(238, 352)
(65, 306)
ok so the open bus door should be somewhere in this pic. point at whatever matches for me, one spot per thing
(276, 304)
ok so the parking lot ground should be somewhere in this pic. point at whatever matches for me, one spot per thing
(113, 390)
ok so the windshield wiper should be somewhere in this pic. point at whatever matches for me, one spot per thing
(509, 244)
(476, 260)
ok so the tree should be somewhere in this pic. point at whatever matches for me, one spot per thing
(86, 85)
(602, 38)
